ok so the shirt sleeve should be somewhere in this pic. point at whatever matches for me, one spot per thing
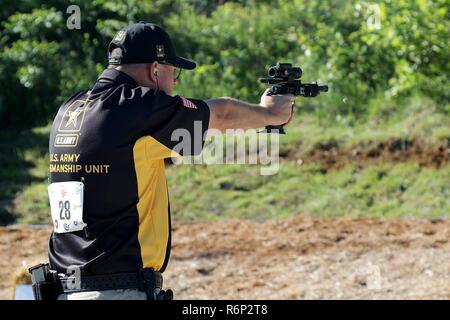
(177, 125)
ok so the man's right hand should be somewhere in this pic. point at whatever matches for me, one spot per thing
(279, 107)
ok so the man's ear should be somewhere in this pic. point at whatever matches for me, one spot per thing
(153, 72)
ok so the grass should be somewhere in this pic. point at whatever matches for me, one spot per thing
(214, 192)
(23, 165)
(388, 190)
(418, 120)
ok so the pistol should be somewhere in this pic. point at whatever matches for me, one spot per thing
(285, 79)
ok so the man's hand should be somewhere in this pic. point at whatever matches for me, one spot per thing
(280, 107)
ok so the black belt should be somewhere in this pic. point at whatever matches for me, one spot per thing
(48, 284)
(142, 281)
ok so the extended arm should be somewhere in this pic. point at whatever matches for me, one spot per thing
(229, 113)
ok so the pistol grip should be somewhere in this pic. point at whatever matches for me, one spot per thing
(275, 129)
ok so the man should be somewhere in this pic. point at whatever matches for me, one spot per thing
(108, 191)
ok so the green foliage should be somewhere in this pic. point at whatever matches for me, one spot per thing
(42, 61)
(366, 51)
(336, 42)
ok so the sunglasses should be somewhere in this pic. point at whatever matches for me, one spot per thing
(176, 71)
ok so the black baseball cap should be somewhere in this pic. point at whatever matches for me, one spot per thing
(143, 43)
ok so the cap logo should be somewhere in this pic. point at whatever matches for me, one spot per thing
(120, 36)
(160, 51)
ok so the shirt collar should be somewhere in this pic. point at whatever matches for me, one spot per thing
(113, 76)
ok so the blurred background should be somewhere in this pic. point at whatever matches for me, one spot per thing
(375, 146)
(383, 126)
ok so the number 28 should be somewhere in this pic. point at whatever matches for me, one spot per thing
(65, 208)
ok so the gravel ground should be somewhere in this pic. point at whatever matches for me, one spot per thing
(295, 258)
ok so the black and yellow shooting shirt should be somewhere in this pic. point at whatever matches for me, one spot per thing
(114, 139)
